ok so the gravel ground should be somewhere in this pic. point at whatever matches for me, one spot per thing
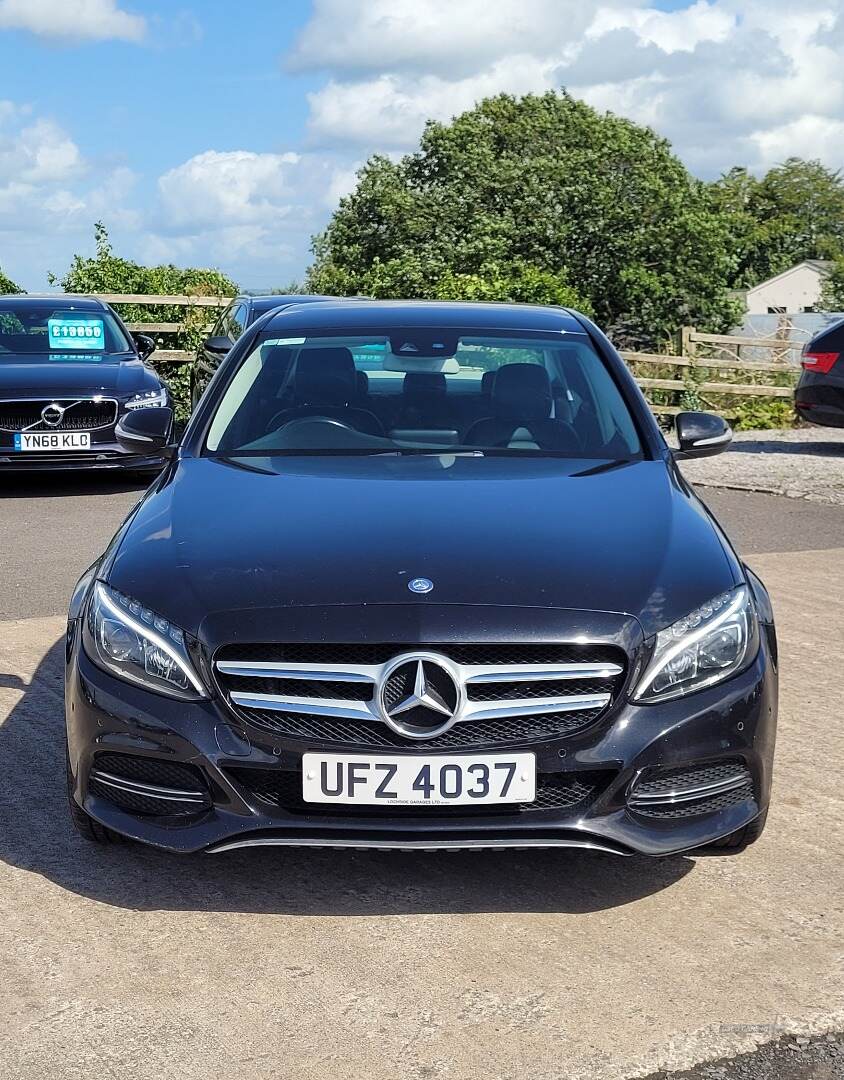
(801, 463)
(788, 1058)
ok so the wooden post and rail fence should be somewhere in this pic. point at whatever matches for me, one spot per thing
(715, 369)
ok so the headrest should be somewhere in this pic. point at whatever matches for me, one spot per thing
(325, 377)
(363, 382)
(522, 392)
(424, 384)
(487, 382)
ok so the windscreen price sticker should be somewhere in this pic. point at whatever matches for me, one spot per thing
(76, 334)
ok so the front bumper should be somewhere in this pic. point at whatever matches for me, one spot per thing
(734, 722)
(102, 455)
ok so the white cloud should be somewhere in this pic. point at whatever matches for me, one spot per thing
(94, 20)
(235, 187)
(452, 39)
(672, 31)
(727, 81)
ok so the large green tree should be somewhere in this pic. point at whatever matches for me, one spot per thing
(539, 198)
(794, 212)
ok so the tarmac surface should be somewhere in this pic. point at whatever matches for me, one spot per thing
(126, 962)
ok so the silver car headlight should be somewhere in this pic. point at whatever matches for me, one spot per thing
(135, 644)
(708, 645)
(149, 399)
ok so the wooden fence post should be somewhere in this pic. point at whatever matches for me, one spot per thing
(686, 340)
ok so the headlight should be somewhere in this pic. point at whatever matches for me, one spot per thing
(708, 645)
(134, 643)
(149, 399)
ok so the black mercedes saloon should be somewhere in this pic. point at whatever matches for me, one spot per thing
(69, 371)
(422, 576)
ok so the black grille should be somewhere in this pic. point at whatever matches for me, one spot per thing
(79, 415)
(509, 731)
(685, 778)
(554, 791)
(504, 691)
(474, 653)
(309, 688)
(152, 771)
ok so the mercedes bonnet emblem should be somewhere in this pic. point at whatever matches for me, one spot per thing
(420, 585)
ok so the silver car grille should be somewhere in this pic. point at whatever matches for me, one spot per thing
(62, 414)
(436, 694)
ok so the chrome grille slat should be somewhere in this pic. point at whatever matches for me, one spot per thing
(472, 710)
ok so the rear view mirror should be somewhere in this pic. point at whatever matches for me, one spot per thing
(701, 434)
(145, 431)
(219, 345)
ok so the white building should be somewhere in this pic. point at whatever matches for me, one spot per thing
(795, 290)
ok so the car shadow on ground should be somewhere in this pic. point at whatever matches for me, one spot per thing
(36, 835)
(69, 484)
(781, 446)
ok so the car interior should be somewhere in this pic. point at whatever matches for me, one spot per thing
(560, 400)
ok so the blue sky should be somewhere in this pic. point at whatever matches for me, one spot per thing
(219, 134)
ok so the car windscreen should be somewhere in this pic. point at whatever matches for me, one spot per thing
(423, 390)
(59, 332)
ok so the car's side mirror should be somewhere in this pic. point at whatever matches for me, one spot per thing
(144, 344)
(218, 345)
(145, 431)
(701, 434)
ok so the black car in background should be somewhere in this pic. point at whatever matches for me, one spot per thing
(819, 395)
(464, 601)
(69, 371)
(232, 321)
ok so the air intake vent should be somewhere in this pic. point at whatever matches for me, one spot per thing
(149, 786)
(691, 790)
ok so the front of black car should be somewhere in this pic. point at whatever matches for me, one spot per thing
(423, 576)
(69, 370)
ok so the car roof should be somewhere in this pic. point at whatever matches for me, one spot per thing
(421, 313)
(80, 303)
(267, 303)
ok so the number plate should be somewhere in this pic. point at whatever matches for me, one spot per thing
(401, 780)
(53, 440)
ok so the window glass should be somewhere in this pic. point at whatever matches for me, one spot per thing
(411, 390)
(57, 332)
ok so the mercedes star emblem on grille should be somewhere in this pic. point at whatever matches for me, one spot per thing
(420, 585)
(419, 696)
(52, 414)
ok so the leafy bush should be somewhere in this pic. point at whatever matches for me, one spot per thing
(7, 285)
(106, 272)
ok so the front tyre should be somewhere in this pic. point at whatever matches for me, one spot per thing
(737, 841)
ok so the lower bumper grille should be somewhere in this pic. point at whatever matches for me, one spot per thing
(554, 791)
(691, 790)
(148, 786)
